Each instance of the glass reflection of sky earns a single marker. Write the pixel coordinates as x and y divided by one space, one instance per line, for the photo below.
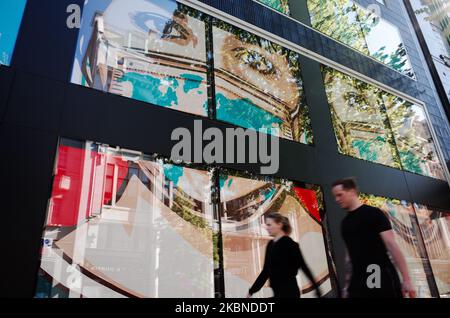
361 29
383 38
383 35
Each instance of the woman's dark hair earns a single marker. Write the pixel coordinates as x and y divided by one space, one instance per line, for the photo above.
278 218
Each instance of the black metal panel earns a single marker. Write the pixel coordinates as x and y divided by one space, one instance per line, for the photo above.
299 11
46 45
35 102
6 79
427 191
26 174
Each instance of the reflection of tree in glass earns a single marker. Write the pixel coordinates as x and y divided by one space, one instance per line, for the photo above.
191 12
397 59
337 18
378 202
411 143
351 24
359 99
279 5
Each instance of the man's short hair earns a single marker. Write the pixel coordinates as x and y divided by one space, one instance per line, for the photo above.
346 183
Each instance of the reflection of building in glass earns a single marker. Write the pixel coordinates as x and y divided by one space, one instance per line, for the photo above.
435 229
377 126
406 230
244 204
155 54
119 222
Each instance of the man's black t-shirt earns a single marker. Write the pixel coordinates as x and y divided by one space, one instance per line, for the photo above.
361 230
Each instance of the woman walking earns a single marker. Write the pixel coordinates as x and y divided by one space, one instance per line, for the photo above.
282 261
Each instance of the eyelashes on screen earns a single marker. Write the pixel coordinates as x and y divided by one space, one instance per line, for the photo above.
255 60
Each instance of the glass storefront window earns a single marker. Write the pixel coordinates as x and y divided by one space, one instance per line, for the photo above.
377 126
384 42
413 137
435 228
244 203
407 235
259 85
361 29
11 12
119 223
359 121
156 51
153 51
338 19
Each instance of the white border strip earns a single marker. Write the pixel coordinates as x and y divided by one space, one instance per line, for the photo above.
318 58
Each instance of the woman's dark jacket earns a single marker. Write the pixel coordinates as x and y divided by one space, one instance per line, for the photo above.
282 261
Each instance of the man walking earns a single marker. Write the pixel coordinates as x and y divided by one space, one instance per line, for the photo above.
369 237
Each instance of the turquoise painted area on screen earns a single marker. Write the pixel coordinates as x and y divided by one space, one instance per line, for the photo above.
173 173
269 194
223 180
11 12
365 150
410 162
242 112
191 82
148 88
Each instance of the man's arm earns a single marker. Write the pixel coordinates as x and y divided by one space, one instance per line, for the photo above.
400 262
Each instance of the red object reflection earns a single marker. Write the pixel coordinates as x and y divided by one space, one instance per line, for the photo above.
309 199
82 183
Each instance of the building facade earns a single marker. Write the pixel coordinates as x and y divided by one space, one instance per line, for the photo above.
93 205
